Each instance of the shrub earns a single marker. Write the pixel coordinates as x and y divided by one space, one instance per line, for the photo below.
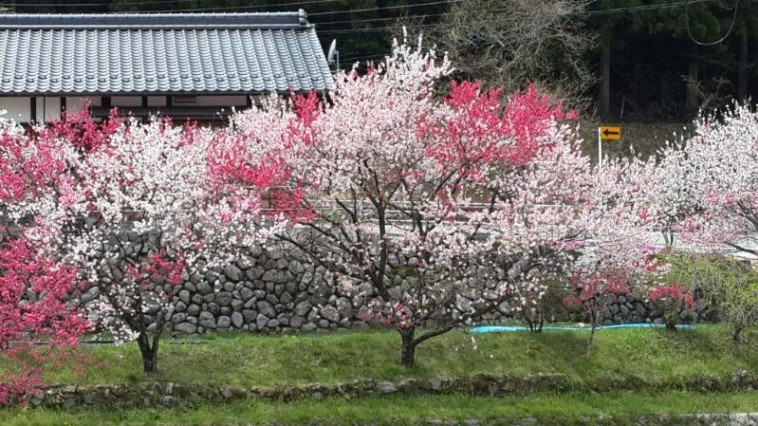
727 285
671 300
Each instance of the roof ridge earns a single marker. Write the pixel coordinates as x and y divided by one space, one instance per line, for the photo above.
149 13
154 20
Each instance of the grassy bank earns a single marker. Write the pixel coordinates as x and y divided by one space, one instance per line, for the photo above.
604 408
645 355
633 376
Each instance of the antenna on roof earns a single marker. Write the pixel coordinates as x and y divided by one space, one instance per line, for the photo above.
333 57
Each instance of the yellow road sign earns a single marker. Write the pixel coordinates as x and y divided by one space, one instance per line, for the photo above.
609 133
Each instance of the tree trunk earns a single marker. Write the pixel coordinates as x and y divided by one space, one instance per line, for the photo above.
593 319
692 101
149 353
736 339
742 69
670 325
604 91
534 323
408 356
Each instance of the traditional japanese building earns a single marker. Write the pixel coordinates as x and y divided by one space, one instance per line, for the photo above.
180 65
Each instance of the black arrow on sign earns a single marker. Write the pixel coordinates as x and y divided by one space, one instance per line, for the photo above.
608 132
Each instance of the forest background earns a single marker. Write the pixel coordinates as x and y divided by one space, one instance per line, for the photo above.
620 60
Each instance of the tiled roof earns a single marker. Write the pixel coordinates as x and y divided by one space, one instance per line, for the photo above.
160 53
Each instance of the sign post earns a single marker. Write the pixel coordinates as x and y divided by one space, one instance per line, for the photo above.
609 133
599 148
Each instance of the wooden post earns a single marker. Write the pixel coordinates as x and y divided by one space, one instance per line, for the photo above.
146 117
33 110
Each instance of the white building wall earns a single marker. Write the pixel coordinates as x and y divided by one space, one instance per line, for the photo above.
48 109
126 101
77 103
18 109
222 101
156 101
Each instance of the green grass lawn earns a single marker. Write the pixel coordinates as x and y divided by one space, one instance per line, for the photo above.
647 355
603 408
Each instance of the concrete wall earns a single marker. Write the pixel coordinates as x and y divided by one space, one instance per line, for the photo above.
156 101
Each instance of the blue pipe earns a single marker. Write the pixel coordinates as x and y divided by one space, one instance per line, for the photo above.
509 328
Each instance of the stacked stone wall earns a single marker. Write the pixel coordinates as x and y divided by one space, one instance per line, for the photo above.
278 290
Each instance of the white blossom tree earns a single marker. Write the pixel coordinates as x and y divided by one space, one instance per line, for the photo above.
136 208
712 180
708 187
446 208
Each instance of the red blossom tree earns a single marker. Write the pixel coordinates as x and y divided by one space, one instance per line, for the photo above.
594 292
671 300
36 322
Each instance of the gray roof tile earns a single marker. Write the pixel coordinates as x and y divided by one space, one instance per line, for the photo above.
160 53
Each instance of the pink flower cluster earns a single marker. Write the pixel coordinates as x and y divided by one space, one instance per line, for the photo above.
34 316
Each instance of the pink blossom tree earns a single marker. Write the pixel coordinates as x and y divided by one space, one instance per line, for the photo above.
594 286
593 293
446 208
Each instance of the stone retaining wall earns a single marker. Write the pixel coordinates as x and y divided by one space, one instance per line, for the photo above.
145 395
278 290
272 290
